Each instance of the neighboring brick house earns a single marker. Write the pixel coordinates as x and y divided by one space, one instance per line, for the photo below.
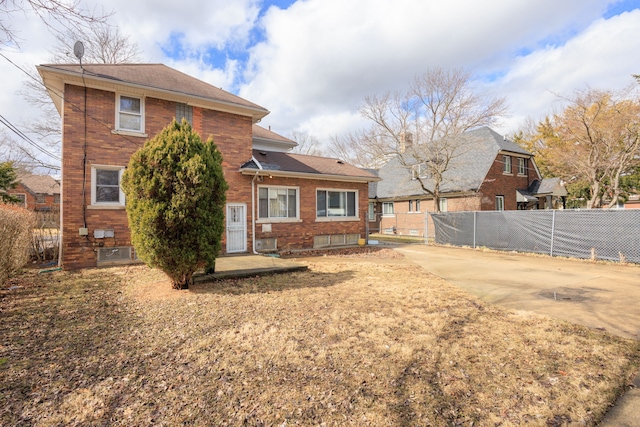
128 103
37 192
491 173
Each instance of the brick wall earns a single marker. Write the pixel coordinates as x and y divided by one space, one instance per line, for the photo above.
300 234
231 133
497 183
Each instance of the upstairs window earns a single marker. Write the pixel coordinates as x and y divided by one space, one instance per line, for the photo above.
130 114
372 211
444 205
522 166
499 203
507 164
421 171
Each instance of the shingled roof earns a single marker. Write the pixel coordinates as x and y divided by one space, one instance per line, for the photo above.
155 79
299 165
467 173
39 184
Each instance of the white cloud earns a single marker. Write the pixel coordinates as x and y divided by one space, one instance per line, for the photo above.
601 57
321 57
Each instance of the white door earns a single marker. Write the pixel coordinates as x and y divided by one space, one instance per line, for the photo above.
236 227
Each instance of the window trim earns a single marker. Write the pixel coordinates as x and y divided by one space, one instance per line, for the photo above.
119 128
270 219
501 199
443 201
522 166
393 209
121 202
371 211
507 162
327 217
41 198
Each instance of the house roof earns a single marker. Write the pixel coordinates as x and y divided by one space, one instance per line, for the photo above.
266 139
39 184
547 186
477 152
155 80
274 163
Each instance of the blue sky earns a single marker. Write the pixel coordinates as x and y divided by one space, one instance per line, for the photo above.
312 62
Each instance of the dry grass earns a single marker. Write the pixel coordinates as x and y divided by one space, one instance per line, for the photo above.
350 342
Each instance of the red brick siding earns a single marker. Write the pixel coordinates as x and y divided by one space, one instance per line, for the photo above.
299 235
231 133
497 183
30 199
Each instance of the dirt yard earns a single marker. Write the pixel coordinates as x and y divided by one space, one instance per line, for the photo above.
353 341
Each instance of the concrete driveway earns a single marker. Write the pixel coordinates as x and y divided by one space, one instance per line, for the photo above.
597 295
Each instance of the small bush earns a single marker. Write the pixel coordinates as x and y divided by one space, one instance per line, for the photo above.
16 225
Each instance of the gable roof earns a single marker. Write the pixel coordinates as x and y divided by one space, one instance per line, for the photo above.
271 141
467 173
274 163
156 80
39 184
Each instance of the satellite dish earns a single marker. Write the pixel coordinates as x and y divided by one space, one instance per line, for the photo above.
78 50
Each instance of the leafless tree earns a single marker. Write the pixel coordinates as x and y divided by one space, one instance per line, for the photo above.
307 144
104 44
423 126
57 15
360 148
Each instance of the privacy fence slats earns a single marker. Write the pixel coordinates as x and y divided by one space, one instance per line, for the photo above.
612 235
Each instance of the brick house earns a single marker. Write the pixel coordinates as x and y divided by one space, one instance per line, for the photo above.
276 200
37 192
491 173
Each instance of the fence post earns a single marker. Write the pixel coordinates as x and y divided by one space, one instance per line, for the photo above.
474 229
553 228
426 228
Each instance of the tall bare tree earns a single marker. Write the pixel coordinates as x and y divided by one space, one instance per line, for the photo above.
423 126
104 44
359 148
56 15
307 143
596 140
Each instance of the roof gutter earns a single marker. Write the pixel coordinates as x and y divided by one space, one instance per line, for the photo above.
306 175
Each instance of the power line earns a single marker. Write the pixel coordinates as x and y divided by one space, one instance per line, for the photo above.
24 137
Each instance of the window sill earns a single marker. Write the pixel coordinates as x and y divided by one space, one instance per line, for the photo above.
277 220
338 219
507 173
106 207
129 133
388 215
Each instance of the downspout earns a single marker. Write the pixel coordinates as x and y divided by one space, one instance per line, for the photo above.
253 213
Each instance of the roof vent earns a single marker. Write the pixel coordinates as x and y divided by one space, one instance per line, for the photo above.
263 153
340 162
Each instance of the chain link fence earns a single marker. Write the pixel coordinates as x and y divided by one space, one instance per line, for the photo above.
612 235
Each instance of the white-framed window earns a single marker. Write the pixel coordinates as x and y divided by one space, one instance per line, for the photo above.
278 202
371 211
105 185
499 203
410 205
130 113
387 208
417 205
507 164
444 204
522 166
336 203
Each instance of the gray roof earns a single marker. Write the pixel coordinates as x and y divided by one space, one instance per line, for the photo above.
43 184
477 152
552 186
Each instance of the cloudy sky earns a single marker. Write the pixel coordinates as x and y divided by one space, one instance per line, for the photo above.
311 62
